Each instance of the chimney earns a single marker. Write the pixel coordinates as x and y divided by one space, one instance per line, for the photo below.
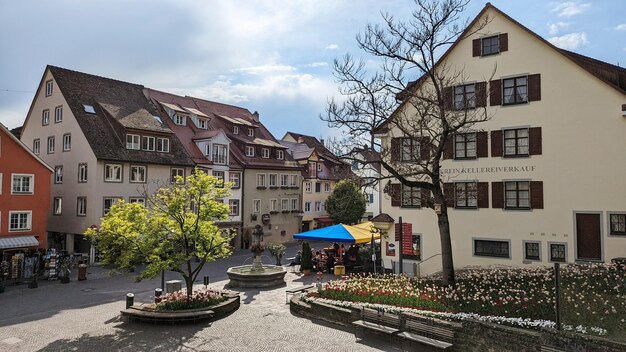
255 116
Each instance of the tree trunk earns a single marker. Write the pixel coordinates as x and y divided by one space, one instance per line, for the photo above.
446 247
189 283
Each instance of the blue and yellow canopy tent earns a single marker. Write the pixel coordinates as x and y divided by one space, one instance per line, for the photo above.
361 233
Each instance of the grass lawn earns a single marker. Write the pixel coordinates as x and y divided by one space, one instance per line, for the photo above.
593 296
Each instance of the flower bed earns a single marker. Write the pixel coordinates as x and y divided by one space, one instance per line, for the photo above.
200 299
593 296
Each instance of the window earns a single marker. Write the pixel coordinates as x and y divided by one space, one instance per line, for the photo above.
307 207
89 109
235 179
141 200
326 187
250 132
465 195
260 180
319 167
307 187
137 174
147 143
235 129
516 142
416 247
617 224
265 153
45 117
249 151
49 88
294 204
280 154
492 248
465 97
411 196
465 146
108 203
355 165
318 207
81 206
312 168
273 180
221 178
180 120
36 146
219 154
273 204
176 172
284 204
22 184
532 250
58 174
132 141
490 45
515 90
370 198
67 142
202 124
318 187
58 114
410 149
558 252
284 180
163 145
20 220
294 180
112 173
51 145
517 194
82 172
233 204
256 206
57 206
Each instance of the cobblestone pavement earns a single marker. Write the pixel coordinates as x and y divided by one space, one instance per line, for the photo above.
84 316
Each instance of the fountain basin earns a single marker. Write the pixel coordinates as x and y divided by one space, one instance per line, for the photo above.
244 276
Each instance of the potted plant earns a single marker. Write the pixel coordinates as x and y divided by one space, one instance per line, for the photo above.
307 263
277 250
65 271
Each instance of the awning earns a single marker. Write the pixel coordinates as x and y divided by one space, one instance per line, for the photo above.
18 242
340 233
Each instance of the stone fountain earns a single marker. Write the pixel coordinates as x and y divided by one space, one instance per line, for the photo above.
257 274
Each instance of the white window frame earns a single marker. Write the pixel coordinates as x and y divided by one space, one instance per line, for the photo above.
319 167
141 200
82 172
273 204
235 179
318 207
57 206
203 123
275 183
104 202
36 146
216 157
112 167
58 114
235 129
295 202
233 205
293 180
307 207
327 187
265 153
284 180
261 180
256 206
163 145
133 141
280 154
180 119
29 220
58 174
31 184
148 143
138 167
67 142
249 151
524 242
51 145
45 117
172 175
250 132
81 204
307 187
49 87
284 204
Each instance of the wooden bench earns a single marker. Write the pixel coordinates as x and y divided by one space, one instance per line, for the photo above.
167 317
295 290
425 332
377 321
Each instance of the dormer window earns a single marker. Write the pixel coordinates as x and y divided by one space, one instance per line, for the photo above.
132 141
249 151
265 153
280 155
319 166
203 124
250 132
235 129
219 154
163 145
147 143
180 119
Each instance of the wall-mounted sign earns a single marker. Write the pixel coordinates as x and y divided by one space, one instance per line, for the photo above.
265 219
487 170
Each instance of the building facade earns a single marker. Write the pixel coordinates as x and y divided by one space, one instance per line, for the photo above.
541 181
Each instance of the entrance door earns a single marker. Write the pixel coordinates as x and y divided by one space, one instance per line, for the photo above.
588 237
306 226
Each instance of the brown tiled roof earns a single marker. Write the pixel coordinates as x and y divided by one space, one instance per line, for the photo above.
370 156
119 106
314 143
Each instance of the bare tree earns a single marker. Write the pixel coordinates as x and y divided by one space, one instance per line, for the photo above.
418 134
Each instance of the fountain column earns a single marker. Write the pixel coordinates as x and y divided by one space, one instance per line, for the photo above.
257 248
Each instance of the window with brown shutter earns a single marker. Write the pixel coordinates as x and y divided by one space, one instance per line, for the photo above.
534 87
396 194
465 146
490 45
495 92
517 195
483 194
535 141
465 195
536 194
497 195
481 144
515 90
411 197
496 143
481 94
516 142
448 194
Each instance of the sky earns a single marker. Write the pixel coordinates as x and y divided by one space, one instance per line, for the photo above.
274 57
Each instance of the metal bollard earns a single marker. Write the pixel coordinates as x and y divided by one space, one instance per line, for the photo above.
206 281
157 295
130 299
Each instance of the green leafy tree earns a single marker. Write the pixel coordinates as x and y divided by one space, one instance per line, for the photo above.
346 204
277 250
177 232
307 262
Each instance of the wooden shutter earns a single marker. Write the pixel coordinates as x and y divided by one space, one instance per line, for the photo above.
395 149
534 135
536 194
448 194
497 195
534 87
425 196
447 98
495 92
424 148
476 47
496 143
481 144
482 189
504 42
481 94
407 239
448 147
396 194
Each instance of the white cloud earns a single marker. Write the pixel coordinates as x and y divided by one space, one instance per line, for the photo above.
621 27
264 69
554 28
316 64
570 8
570 41
331 47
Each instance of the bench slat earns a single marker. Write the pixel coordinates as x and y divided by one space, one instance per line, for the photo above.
425 340
373 326
298 289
